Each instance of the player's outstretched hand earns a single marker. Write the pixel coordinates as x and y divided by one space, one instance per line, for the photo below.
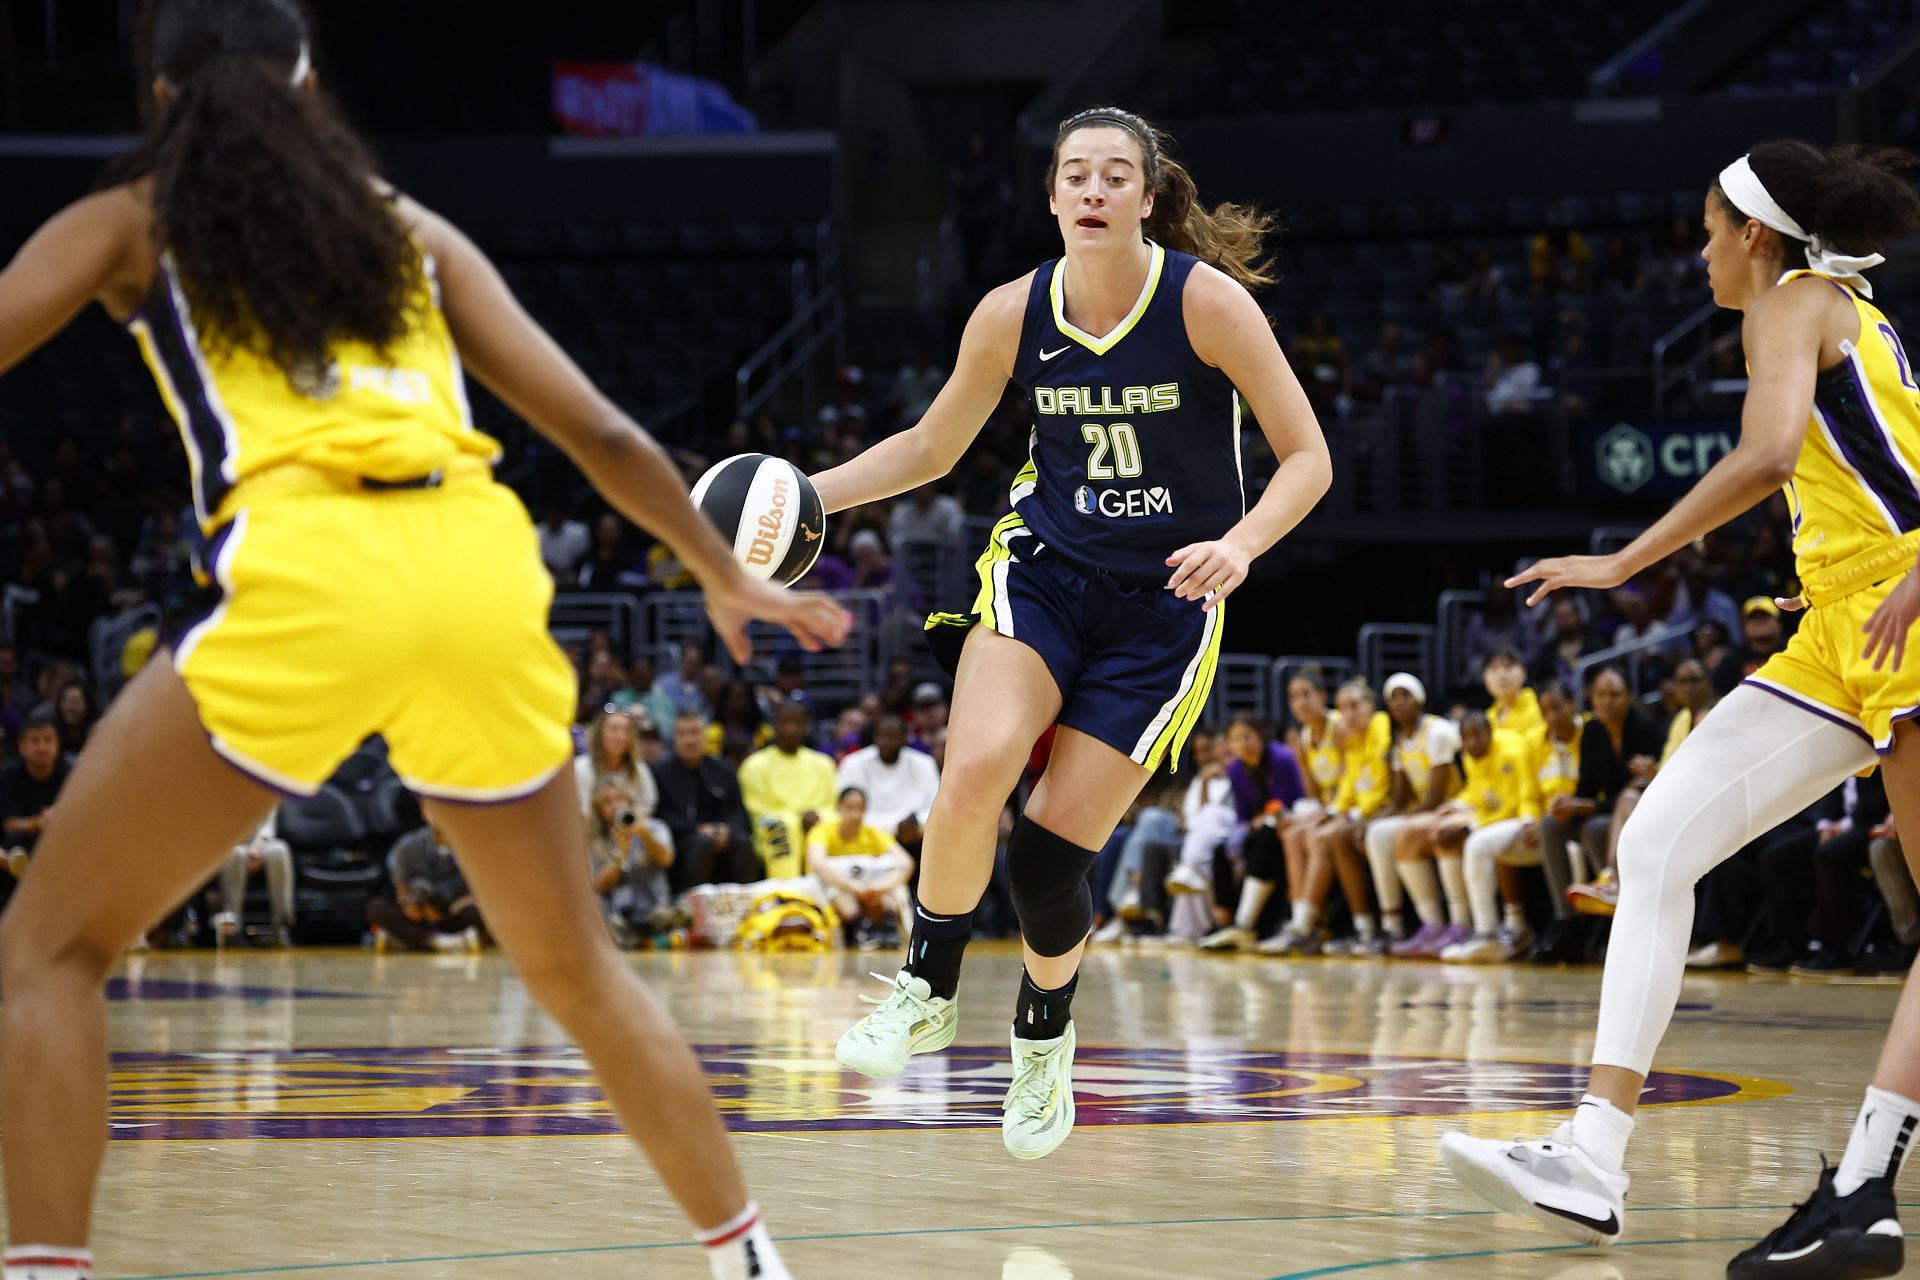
1887 630
816 621
1207 571
1562 572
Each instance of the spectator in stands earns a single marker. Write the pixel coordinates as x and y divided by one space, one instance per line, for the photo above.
1633 606
929 708
1515 708
1617 740
164 556
15 692
790 682
1619 268
683 686
700 803
1559 260
787 785
1512 377
915 386
1449 279
873 570
263 852
613 564
1504 815
896 782
1815 883
1264 779
641 692
1320 357
666 572
74 715
612 760
1711 645
28 788
1487 281
430 909
849 733
605 679
627 860
740 726
927 515
1387 367
1366 742
864 871
1763 636
1694 697
652 746
1421 761
1700 597
564 542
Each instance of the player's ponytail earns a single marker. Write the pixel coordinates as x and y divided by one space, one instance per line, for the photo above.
1849 196
264 198
1229 237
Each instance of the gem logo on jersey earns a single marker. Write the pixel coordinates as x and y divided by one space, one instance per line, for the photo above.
1123 504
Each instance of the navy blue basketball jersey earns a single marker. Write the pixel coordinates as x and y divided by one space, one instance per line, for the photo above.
1136 440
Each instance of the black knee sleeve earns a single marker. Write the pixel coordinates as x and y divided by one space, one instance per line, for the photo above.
1266 856
1050 891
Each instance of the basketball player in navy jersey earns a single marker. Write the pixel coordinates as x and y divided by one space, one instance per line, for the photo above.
1101 594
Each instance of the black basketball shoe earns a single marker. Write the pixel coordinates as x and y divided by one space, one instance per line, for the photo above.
1831 1237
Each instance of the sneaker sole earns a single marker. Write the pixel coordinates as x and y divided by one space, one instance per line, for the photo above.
1495 1190
1864 1257
880 1069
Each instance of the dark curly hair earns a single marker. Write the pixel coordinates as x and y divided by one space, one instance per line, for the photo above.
264 199
1851 196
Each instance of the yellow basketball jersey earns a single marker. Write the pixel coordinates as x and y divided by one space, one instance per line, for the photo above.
1322 757
1500 785
1365 778
1556 764
389 418
1522 718
1856 484
1421 755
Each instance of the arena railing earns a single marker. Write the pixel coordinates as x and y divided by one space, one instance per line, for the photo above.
576 615
1387 647
1632 656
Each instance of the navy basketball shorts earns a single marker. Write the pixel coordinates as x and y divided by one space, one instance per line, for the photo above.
1134 664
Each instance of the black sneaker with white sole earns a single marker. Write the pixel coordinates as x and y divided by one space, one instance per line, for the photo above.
1831 1237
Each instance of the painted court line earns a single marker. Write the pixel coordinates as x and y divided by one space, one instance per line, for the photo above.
1341 1269
1348 1268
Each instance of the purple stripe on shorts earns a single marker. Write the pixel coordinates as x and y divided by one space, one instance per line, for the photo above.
1813 707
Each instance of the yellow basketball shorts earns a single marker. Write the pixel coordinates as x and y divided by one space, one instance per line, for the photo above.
1821 669
417 614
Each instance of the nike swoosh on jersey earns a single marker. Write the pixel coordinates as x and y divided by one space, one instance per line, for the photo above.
1048 355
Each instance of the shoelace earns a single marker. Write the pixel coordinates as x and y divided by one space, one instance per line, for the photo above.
1029 1094
1780 1232
897 1007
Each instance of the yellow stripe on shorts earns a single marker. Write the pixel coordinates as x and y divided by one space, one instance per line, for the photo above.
997 553
1187 714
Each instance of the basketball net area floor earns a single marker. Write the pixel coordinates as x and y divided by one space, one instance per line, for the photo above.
344 1116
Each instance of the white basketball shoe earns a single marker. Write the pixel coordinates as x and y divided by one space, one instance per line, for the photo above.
910 1020
1038 1112
1548 1179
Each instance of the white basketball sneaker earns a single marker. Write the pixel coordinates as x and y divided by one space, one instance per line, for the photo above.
1547 1179
1230 938
1038 1112
910 1020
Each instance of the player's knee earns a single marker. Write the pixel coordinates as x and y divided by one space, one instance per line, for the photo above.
971 776
1641 857
567 977
1048 876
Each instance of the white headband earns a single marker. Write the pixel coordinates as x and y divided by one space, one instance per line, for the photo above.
302 66
1749 195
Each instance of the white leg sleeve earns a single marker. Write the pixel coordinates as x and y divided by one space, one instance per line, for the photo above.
1753 763
1483 850
1386 876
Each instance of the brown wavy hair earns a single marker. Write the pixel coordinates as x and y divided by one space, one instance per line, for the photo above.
1230 237
264 197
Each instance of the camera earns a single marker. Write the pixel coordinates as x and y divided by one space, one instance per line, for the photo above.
627 818
428 893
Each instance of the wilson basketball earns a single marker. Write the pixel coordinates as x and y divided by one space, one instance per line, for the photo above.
769 510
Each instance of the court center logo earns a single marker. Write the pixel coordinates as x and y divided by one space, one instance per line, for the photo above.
1624 456
550 1092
